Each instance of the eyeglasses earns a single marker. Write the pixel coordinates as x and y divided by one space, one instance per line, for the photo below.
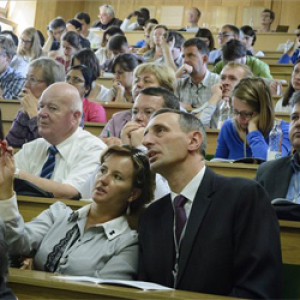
25 42
33 80
220 35
243 114
74 80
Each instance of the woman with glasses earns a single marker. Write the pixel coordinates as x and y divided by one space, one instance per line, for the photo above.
81 77
284 105
247 134
95 240
123 67
29 45
42 72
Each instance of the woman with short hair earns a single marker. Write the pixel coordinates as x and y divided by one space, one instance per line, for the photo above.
42 72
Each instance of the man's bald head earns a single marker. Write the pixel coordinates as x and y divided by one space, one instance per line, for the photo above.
59 112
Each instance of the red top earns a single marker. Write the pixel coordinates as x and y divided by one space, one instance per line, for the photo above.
93 112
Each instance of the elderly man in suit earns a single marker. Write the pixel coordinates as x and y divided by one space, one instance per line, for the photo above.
211 234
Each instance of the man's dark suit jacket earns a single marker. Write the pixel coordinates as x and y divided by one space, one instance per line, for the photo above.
231 244
275 177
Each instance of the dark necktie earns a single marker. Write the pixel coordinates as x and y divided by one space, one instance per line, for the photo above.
49 165
180 215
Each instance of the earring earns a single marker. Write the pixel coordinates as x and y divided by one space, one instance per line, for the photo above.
128 211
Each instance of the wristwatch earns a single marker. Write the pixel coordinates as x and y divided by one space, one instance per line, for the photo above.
17 173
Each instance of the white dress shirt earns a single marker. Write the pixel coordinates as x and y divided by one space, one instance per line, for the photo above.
77 159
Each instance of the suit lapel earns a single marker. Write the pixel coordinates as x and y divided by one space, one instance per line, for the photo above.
199 209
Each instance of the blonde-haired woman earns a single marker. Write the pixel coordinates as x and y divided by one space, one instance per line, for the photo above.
247 134
30 46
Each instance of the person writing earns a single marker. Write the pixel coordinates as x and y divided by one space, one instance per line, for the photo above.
95 240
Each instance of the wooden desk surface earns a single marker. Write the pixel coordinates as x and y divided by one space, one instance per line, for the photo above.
35 285
233 169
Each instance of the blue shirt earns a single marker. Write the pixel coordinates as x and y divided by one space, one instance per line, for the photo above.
11 83
285 59
230 146
140 44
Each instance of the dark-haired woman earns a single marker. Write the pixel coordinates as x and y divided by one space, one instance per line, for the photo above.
81 77
206 36
123 67
249 40
95 240
70 45
283 105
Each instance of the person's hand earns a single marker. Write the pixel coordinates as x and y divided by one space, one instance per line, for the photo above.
275 88
118 87
27 264
187 106
217 90
253 124
28 102
112 141
296 42
137 136
50 34
7 169
184 69
127 131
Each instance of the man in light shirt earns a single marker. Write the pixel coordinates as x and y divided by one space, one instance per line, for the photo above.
77 151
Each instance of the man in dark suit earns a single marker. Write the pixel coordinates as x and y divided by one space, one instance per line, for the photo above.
281 177
230 244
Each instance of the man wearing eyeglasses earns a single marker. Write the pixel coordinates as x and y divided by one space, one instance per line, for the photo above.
11 81
281 177
227 33
106 18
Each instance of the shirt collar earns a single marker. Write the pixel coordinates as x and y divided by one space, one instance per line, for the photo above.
204 82
112 228
64 147
190 190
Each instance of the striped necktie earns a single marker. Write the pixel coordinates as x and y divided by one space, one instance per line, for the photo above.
49 165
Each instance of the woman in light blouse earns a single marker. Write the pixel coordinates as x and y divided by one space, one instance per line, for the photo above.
95 240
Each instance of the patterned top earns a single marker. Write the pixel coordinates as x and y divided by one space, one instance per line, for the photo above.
11 83
196 94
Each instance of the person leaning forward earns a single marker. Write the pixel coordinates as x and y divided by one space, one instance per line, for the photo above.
230 244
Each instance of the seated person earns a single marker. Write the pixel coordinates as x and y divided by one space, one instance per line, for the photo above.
106 18
235 51
232 73
70 45
88 58
267 18
55 30
117 45
144 76
148 101
11 81
42 72
103 53
228 32
293 53
144 45
80 76
193 16
247 134
280 177
75 26
60 161
156 51
123 67
249 39
284 104
142 15
95 240
17 63
171 50
206 36
85 21
195 89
